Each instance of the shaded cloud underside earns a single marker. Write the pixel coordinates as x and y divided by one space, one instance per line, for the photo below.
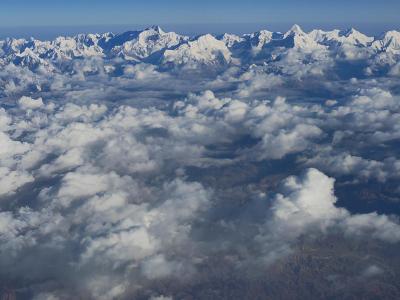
127 160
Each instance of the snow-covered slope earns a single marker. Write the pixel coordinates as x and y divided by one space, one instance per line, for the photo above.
389 42
297 38
230 39
141 44
204 50
337 38
171 50
28 58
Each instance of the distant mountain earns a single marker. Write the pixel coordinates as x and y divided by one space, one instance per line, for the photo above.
388 42
203 50
337 38
171 50
139 45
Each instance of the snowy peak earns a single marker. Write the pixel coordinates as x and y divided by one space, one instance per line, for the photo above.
261 38
204 50
298 39
341 38
295 30
156 46
388 42
78 46
349 32
155 28
321 36
13 45
230 39
29 59
355 37
139 45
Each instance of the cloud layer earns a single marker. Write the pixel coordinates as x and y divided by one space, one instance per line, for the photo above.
130 160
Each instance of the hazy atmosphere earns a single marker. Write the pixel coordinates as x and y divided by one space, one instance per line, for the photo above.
47 19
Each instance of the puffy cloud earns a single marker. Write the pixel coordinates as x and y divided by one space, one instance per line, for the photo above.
287 142
29 103
114 193
143 72
373 225
307 201
119 175
307 205
256 79
344 164
11 180
10 148
111 225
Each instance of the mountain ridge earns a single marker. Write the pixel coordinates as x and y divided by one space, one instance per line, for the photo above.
177 50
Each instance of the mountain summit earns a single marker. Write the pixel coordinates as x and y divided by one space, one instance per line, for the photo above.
156 46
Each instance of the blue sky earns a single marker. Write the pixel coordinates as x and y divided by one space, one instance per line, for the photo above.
81 13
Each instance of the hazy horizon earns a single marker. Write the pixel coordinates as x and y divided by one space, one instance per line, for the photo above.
51 31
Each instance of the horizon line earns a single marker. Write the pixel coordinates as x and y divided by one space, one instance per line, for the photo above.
191 29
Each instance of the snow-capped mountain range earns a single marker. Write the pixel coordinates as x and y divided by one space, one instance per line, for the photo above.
171 50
